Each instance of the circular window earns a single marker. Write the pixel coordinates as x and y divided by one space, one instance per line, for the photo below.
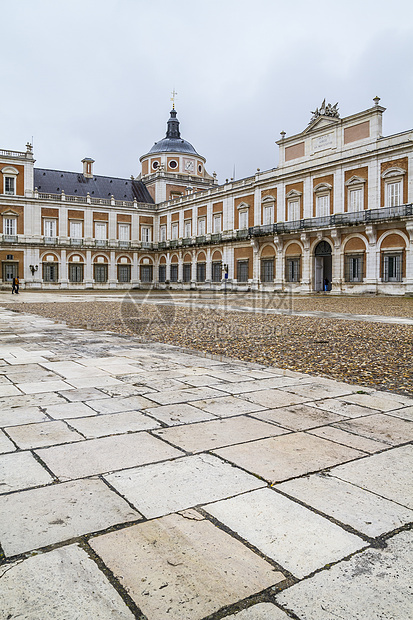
199 168
173 164
155 165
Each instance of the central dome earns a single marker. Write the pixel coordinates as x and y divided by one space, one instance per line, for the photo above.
173 143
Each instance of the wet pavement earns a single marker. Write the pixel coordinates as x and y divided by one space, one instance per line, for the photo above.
141 480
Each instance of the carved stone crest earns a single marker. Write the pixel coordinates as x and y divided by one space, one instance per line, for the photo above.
326 110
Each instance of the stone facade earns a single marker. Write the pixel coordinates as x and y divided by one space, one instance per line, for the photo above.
336 211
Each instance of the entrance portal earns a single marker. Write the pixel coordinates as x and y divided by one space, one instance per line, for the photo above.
322 266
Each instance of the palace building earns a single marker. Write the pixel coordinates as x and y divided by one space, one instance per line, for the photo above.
337 210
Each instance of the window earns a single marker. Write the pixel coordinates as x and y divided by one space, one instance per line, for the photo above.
268 215
322 207
146 273
163 232
267 270
201 226
76 230
293 210
242 271
162 273
101 273
123 273
146 234
187 228
200 272
393 194
100 231
216 271
175 229
392 267
217 223
10 226
174 273
50 272
75 273
187 272
124 232
10 271
354 268
50 228
243 219
356 199
9 185
292 269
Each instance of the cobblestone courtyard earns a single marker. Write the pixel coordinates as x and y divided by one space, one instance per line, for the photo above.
142 480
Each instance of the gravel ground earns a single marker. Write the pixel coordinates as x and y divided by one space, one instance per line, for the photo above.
368 354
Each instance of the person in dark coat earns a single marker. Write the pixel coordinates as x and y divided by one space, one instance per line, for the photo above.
15 286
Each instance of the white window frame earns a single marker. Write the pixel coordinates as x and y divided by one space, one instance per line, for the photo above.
50 227
293 205
9 177
393 186
162 232
243 219
146 234
201 226
124 232
396 258
101 231
175 231
217 223
187 228
322 193
10 226
355 194
75 226
268 215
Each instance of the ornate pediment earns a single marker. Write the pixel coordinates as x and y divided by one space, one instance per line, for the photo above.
326 109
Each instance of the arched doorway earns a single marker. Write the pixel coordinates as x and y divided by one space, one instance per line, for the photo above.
322 265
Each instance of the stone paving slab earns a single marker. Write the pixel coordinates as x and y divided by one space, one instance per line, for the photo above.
21 415
374 401
64 584
116 405
271 399
5 444
226 406
342 407
113 424
299 540
372 585
348 439
43 434
41 517
381 427
406 413
162 488
298 417
36 387
183 569
209 435
279 458
172 397
364 511
98 456
181 413
383 474
66 410
20 470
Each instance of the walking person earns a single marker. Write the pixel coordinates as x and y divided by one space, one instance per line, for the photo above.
15 286
326 283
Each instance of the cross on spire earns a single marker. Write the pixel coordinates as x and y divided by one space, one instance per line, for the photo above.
173 93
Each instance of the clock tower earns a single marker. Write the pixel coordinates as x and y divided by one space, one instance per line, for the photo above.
172 168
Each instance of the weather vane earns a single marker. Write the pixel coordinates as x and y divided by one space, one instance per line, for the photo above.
174 94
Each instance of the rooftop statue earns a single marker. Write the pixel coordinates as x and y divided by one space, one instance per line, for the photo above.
325 110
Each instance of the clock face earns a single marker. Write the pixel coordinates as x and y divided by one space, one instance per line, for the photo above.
189 165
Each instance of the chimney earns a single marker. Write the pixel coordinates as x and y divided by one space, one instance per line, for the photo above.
88 167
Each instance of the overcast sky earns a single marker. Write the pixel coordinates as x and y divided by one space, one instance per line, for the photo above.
93 78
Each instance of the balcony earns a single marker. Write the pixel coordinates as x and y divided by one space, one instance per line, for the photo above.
162 245
101 243
216 238
201 239
146 245
10 238
125 245
243 233
187 241
50 240
76 242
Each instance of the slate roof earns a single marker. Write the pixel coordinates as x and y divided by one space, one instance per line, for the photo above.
173 145
75 184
